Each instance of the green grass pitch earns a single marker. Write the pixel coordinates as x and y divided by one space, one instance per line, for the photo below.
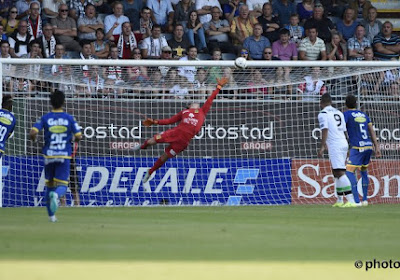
309 234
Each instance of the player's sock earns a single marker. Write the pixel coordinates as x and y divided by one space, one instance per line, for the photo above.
365 183
145 145
353 181
61 190
344 186
156 165
49 212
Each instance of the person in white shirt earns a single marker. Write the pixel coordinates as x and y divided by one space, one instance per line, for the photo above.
113 23
333 127
203 8
151 46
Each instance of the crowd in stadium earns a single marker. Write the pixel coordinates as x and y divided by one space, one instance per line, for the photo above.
189 30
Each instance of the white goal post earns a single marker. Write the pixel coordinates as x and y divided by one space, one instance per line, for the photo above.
258 145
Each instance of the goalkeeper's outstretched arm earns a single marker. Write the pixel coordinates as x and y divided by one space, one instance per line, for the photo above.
149 122
207 105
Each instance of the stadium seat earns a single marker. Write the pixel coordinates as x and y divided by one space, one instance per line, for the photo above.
204 56
229 56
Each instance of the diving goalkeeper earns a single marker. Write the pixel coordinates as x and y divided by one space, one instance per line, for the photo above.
178 138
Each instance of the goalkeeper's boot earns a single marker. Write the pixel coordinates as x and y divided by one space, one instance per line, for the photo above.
146 176
338 204
349 205
137 147
364 203
53 201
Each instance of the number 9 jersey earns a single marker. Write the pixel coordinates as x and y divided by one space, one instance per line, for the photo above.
7 125
59 127
332 119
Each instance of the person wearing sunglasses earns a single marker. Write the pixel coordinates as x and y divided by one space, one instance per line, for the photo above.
23 8
11 22
65 29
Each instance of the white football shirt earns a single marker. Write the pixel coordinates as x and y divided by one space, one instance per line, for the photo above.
332 119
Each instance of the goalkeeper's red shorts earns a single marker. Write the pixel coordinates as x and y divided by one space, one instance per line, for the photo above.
176 142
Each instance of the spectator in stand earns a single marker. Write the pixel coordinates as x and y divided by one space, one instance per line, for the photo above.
203 8
337 48
195 32
357 44
323 24
90 74
58 70
10 23
137 73
23 8
305 10
361 8
132 9
215 72
217 31
242 26
283 48
231 9
65 29
126 42
296 31
182 11
255 6
334 8
312 47
163 14
8 69
50 9
270 73
230 90
77 8
370 82
372 25
347 26
145 25
283 10
47 41
166 54
244 53
102 7
151 46
313 86
113 73
189 71
256 43
269 23
386 44
201 87
89 23
34 21
100 48
113 23
178 42
20 40
257 85
3 37
4 8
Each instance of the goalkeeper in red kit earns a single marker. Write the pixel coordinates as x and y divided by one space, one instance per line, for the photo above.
191 120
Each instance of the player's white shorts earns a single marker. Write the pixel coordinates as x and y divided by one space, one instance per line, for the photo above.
338 155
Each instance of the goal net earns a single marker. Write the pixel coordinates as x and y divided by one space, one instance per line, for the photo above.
258 145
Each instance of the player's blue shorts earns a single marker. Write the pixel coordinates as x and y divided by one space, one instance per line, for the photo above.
359 157
57 169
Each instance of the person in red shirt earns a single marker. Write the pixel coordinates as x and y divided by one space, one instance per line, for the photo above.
178 138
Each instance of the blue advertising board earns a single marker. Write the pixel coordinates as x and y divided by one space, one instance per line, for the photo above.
117 181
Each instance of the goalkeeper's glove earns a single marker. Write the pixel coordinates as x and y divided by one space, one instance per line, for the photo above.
149 122
223 81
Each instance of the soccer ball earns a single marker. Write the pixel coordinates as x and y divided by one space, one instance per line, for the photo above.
241 62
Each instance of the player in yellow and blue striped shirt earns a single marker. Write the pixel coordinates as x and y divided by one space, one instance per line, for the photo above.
59 130
363 141
7 122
